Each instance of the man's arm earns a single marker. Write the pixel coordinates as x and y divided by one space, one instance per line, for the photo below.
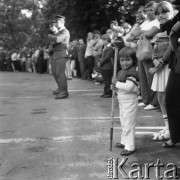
174 36
58 38
151 33
62 37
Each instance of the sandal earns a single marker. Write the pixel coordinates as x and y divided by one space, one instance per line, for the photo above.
162 135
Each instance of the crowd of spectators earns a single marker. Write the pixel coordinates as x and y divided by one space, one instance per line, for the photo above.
92 59
33 60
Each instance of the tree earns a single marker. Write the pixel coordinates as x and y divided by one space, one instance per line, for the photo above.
16 29
83 16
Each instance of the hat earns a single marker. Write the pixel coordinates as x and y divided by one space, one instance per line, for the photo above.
57 17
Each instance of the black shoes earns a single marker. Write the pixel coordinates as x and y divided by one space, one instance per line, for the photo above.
168 144
57 91
62 95
125 152
106 95
102 95
119 145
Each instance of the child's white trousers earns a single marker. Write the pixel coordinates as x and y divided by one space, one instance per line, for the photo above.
128 112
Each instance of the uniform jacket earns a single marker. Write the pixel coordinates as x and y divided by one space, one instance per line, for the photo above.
60 43
106 59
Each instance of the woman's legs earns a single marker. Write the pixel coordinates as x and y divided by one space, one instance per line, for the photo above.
163 134
161 100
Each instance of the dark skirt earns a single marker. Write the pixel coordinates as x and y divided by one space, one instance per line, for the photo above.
173 105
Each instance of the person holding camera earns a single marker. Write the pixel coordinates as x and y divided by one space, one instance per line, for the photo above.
60 40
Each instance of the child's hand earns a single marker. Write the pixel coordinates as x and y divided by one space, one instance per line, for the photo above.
156 62
114 80
113 88
153 70
160 65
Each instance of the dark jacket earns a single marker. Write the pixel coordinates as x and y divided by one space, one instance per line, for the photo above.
174 36
75 53
81 52
106 59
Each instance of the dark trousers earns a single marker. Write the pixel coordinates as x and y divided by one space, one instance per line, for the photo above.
15 63
53 67
1 66
96 60
107 76
9 65
148 96
24 66
173 105
58 71
77 68
89 66
83 69
39 66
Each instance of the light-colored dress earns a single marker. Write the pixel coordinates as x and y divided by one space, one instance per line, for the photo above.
161 77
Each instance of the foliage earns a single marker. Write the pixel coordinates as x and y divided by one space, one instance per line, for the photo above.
16 29
87 15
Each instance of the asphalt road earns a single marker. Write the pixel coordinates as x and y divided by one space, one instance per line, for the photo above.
46 139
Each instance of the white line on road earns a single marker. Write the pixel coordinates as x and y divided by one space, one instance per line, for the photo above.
144 133
89 95
142 128
38 97
89 118
98 118
93 138
22 97
11 84
84 90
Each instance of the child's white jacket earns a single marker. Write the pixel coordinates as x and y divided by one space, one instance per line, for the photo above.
128 89
127 83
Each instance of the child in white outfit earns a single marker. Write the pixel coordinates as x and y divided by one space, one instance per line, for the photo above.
126 84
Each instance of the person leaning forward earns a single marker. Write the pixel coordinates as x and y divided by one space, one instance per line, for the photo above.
60 41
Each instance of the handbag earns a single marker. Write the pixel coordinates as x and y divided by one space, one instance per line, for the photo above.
144 49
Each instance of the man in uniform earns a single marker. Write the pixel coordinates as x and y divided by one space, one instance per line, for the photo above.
60 40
